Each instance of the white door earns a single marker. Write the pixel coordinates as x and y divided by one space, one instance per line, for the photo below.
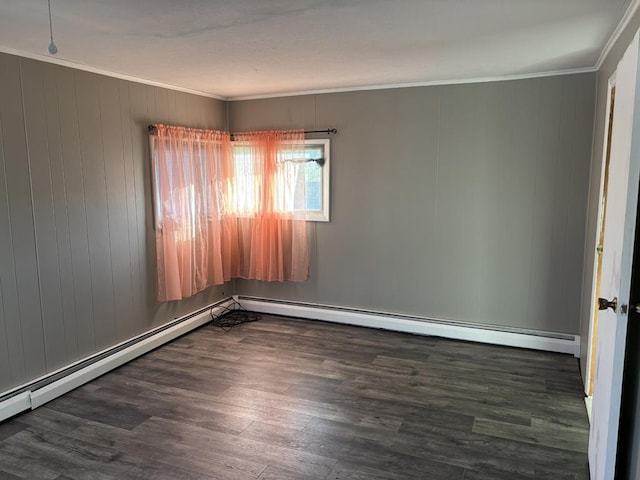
624 174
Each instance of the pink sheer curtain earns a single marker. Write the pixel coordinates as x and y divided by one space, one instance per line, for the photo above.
194 245
268 180
220 214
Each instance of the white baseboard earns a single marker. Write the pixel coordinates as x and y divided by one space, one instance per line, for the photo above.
513 337
26 399
31 399
588 404
15 405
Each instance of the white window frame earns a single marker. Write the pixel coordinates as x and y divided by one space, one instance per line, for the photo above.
322 215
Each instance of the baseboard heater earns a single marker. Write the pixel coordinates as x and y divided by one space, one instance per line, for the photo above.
46 388
492 334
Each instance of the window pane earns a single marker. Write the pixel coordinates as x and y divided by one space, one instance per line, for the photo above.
313 187
309 179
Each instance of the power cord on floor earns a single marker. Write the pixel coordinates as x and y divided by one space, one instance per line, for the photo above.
232 315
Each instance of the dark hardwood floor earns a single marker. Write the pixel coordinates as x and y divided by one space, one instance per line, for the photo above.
291 399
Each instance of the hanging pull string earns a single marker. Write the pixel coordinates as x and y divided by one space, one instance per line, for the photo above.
52 46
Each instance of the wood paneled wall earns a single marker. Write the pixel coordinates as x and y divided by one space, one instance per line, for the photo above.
77 254
459 202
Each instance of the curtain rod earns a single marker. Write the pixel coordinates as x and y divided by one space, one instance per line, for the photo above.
328 131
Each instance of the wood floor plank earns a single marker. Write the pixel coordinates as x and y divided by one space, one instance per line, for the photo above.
185 455
10 476
447 446
442 399
24 464
573 469
490 473
147 392
289 399
171 408
119 414
557 408
240 447
273 473
78 458
541 432
347 471
248 397
8 429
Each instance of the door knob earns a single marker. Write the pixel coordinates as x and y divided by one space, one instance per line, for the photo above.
603 304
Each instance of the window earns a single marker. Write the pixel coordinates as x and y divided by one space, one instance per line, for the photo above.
188 169
234 210
309 200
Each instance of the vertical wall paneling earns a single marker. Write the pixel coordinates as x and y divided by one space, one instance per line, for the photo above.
459 202
21 218
515 234
559 265
182 113
459 121
113 157
11 331
61 215
140 144
194 110
413 118
5 359
131 211
100 261
44 213
150 112
580 182
75 197
77 247
547 204
162 102
490 180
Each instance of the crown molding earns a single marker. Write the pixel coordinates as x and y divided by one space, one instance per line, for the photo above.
100 71
624 22
358 88
432 83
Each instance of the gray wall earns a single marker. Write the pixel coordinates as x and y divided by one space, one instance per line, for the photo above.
463 202
77 255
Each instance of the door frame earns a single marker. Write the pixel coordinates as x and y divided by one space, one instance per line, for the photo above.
590 370
603 434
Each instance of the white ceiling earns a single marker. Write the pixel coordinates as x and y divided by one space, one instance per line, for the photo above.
245 48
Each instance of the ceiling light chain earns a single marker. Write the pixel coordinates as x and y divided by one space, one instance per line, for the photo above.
52 46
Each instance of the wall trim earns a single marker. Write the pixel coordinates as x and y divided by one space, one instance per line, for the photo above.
491 334
356 88
588 405
101 71
431 83
55 384
624 22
